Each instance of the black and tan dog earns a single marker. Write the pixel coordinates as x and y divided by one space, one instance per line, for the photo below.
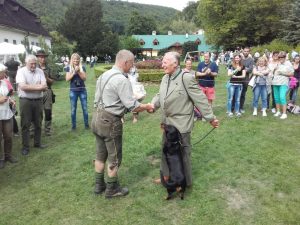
172 149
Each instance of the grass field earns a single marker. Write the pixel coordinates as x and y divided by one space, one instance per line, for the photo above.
245 172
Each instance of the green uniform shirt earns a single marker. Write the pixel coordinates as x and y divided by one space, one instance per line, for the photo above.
117 95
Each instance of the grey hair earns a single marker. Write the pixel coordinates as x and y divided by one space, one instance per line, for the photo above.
30 58
173 55
123 56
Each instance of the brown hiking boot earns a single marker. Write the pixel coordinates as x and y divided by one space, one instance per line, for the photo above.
114 190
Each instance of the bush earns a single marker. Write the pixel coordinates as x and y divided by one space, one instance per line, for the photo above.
150 75
275 45
100 70
149 64
153 75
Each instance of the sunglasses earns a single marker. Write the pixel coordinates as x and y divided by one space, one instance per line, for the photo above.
281 57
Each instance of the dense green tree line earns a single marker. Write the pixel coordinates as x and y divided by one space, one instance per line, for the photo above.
232 23
115 13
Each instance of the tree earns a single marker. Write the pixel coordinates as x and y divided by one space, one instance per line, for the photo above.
128 42
249 22
189 47
60 45
83 24
139 24
181 26
189 13
291 25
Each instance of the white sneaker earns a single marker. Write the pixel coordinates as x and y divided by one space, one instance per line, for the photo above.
230 114
273 110
242 111
238 114
254 112
264 113
283 116
277 114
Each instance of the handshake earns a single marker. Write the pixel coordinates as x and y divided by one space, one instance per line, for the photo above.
149 107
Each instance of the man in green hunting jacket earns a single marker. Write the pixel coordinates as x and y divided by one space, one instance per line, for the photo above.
178 94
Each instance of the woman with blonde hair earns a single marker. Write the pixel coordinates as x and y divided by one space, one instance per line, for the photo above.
76 74
280 83
236 72
260 72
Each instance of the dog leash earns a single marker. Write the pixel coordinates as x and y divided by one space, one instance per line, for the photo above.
204 136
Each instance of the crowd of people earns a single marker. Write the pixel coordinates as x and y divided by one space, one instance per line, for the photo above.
273 77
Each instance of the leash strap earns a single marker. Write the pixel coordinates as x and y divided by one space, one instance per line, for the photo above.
204 136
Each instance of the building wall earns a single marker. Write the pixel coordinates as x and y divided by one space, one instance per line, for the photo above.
15 36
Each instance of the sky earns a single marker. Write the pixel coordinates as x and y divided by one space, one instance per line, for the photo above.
177 4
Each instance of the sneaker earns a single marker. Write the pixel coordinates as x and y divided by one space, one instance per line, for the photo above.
230 114
277 114
264 113
255 112
273 110
283 116
242 111
238 114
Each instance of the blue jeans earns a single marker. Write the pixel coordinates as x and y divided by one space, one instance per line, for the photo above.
234 90
83 99
293 95
260 91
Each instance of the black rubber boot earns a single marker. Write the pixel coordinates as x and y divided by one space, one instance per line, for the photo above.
113 189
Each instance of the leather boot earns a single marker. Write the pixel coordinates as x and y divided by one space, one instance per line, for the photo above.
2 164
100 185
48 128
113 189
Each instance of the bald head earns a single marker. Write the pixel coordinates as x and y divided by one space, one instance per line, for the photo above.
124 60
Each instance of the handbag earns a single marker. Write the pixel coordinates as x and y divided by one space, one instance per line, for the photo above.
252 82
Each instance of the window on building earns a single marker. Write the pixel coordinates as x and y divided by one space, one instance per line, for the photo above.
142 42
14 42
198 41
6 40
32 43
37 44
155 42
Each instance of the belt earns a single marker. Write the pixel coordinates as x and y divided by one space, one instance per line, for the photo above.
32 99
108 113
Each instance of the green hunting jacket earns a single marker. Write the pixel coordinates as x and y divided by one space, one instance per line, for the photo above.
177 103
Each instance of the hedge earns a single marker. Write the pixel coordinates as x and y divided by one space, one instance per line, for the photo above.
153 75
101 69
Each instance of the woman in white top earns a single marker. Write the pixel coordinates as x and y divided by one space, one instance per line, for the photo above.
6 125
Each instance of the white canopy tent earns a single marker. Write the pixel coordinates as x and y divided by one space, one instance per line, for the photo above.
8 50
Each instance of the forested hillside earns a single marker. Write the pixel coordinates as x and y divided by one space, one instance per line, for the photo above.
116 13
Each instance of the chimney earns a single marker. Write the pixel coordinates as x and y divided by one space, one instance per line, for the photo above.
169 32
154 32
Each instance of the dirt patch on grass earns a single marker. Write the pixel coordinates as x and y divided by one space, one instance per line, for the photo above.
236 200
153 160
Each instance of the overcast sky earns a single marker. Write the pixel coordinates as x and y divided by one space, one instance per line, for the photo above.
177 4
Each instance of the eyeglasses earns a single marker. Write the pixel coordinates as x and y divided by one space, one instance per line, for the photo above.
281 57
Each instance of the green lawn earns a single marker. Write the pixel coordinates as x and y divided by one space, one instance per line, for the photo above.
245 172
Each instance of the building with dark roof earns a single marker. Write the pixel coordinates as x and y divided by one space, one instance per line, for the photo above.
17 22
